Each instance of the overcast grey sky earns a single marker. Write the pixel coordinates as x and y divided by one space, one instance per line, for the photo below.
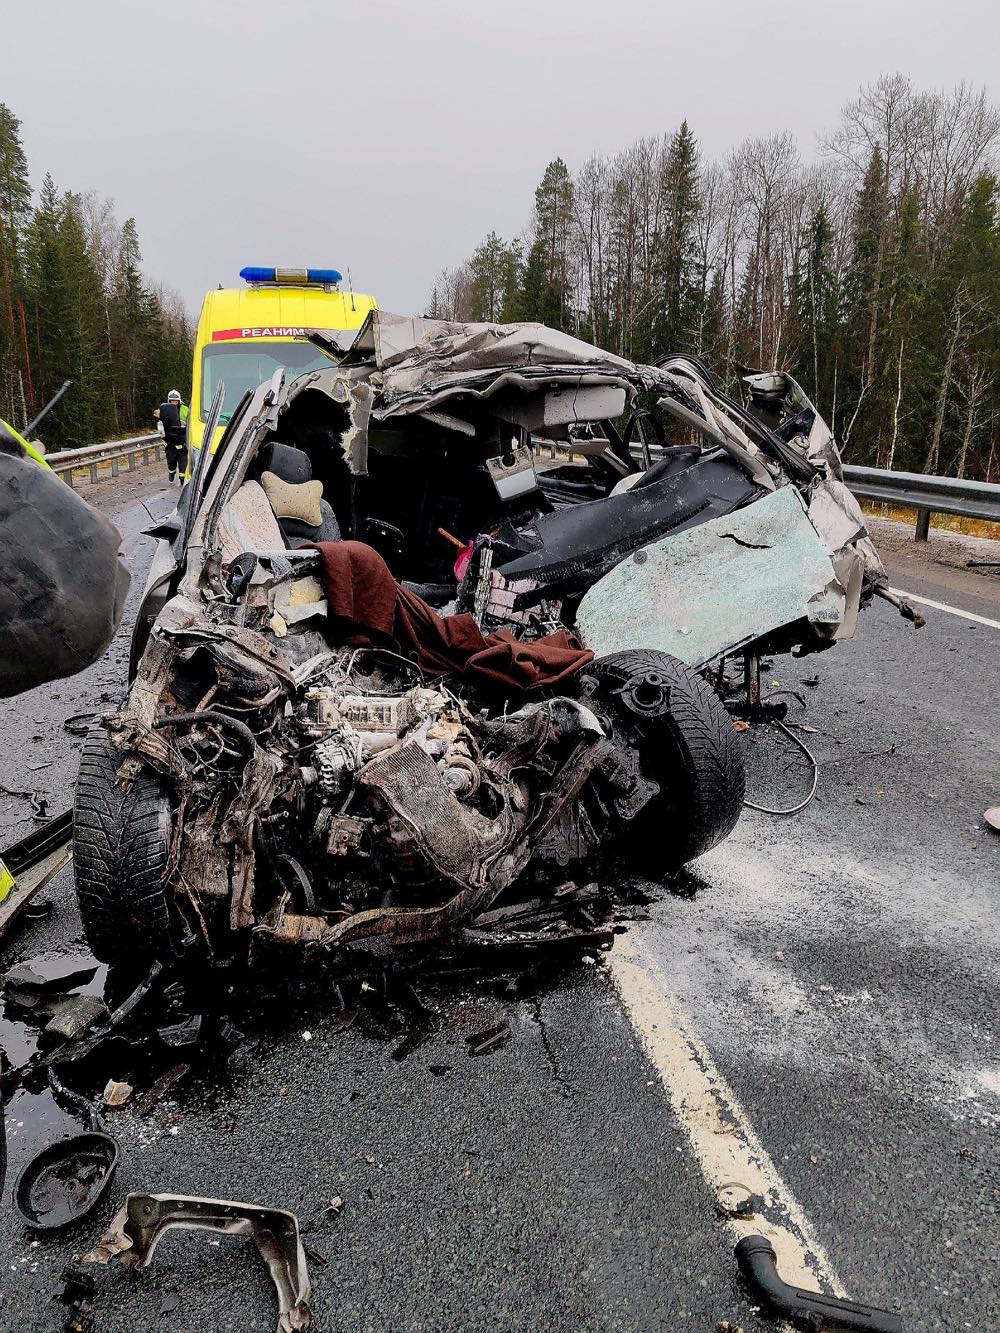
389 137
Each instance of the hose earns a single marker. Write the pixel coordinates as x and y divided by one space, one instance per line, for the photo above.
759 1265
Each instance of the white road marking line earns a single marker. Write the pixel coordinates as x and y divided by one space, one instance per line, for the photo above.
943 606
724 1143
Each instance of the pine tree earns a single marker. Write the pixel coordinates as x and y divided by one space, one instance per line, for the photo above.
68 303
962 308
17 396
676 250
815 299
546 286
495 267
863 285
133 320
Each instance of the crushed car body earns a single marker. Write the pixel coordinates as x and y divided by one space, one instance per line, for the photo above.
395 669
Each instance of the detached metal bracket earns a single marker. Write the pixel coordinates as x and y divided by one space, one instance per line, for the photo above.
759 1265
137 1228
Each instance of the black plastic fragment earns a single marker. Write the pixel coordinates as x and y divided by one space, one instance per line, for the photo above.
65 1181
758 1263
182 1034
75 1289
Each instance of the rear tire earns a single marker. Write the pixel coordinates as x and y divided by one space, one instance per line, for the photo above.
120 845
692 751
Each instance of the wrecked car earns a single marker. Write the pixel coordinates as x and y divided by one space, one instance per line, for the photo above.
397 672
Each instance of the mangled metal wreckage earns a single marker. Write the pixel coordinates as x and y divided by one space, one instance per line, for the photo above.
394 673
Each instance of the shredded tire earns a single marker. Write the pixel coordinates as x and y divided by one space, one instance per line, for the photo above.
120 844
692 751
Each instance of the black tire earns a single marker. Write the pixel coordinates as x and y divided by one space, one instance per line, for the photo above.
120 845
692 751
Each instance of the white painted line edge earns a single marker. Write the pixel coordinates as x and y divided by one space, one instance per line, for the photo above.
943 606
722 1139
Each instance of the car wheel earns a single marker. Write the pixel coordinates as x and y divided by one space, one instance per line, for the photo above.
120 845
688 745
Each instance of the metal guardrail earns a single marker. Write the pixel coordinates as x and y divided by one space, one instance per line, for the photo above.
927 495
67 461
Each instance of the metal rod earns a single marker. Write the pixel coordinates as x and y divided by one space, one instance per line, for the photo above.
26 432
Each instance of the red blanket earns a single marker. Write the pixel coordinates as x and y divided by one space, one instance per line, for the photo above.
375 610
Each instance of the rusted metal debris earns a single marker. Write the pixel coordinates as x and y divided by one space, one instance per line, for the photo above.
144 1219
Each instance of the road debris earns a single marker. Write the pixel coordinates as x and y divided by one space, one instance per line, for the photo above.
80 724
483 1043
992 817
183 1034
67 1179
735 1200
35 990
758 1264
48 972
39 801
74 1015
29 864
166 1082
137 1228
75 1290
117 1094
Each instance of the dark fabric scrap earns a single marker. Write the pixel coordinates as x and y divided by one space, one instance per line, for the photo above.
374 610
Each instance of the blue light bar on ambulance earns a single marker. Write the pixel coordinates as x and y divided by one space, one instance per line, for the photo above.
324 277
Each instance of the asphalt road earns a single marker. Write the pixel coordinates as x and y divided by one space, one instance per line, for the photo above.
837 971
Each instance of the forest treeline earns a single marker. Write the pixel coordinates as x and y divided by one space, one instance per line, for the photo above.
75 306
871 273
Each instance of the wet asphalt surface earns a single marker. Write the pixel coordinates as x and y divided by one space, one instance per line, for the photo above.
841 966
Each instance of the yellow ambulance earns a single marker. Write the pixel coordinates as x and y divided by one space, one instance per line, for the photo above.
246 333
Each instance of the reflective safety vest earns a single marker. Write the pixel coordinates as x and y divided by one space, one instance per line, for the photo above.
11 434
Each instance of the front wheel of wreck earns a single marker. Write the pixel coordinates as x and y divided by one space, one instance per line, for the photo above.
120 847
688 746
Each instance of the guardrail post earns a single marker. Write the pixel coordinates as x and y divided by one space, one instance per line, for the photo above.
93 472
131 462
923 525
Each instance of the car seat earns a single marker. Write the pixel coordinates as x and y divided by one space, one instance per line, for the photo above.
293 466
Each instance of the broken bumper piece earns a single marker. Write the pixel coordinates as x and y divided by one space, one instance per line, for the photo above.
137 1228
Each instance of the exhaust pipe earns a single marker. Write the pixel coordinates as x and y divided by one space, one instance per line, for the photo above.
759 1265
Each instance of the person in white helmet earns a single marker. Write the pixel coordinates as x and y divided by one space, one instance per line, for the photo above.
172 417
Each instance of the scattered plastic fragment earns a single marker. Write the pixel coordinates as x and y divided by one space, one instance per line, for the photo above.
117 1094
74 1015
79 724
75 1289
183 1034
66 1180
734 1200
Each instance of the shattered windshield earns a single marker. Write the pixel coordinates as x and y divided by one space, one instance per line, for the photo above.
245 365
